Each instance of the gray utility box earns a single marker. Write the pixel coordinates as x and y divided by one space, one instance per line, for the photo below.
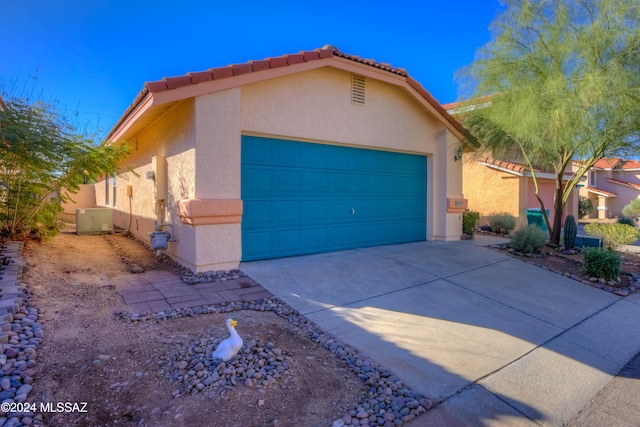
94 221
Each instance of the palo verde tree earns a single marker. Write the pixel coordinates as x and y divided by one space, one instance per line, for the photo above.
41 153
558 82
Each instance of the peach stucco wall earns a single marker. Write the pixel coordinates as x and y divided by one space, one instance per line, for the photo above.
313 106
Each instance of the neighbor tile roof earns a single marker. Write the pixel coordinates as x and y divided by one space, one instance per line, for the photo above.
630 164
606 163
516 167
601 192
613 163
621 182
233 70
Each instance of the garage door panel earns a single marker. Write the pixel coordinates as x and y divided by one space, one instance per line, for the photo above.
315 238
285 153
257 245
258 212
258 181
304 198
286 212
362 184
287 241
384 184
314 211
315 156
339 237
288 182
316 183
341 183
257 152
340 210
362 236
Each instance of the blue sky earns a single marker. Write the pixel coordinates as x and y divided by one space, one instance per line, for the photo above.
92 57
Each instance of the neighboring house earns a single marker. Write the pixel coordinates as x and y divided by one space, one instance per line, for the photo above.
610 185
311 152
498 186
494 186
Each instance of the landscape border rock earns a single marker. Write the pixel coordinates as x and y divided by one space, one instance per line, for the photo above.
595 282
18 357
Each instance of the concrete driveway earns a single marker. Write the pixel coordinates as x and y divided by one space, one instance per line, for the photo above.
493 340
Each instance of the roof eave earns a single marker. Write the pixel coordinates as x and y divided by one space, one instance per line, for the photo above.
192 85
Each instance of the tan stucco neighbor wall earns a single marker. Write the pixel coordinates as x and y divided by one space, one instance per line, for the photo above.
201 141
490 191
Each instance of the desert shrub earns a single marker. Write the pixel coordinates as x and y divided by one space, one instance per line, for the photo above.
599 262
585 207
614 235
528 239
627 220
502 223
470 221
632 209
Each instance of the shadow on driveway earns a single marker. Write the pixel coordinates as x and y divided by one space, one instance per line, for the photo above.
494 340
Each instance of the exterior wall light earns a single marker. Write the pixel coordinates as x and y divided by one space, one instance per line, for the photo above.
458 154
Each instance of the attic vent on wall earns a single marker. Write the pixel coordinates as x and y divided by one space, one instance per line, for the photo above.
357 89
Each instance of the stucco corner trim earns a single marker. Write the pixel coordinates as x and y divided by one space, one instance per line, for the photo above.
210 211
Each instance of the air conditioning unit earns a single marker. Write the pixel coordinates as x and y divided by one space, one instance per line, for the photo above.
94 220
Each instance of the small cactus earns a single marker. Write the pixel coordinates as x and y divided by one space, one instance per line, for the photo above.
570 232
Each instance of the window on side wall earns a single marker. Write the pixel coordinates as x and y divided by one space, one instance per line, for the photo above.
592 179
114 189
107 189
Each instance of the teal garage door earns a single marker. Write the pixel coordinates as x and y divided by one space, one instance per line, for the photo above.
302 198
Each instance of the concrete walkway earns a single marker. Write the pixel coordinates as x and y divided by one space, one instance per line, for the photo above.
155 291
492 340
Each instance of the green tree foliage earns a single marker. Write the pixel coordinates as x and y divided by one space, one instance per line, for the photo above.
585 206
470 221
632 210
614 235
560 80
41 153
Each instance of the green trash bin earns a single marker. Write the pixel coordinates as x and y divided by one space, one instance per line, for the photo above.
534 216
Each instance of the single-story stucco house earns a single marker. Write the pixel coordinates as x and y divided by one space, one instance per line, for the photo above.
304 153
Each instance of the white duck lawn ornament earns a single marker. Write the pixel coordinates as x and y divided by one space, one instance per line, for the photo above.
231 346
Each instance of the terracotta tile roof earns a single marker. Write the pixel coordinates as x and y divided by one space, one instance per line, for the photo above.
626 183
630 164
467 104
229 71
233 70
601 192
516 167
613 163
606 163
